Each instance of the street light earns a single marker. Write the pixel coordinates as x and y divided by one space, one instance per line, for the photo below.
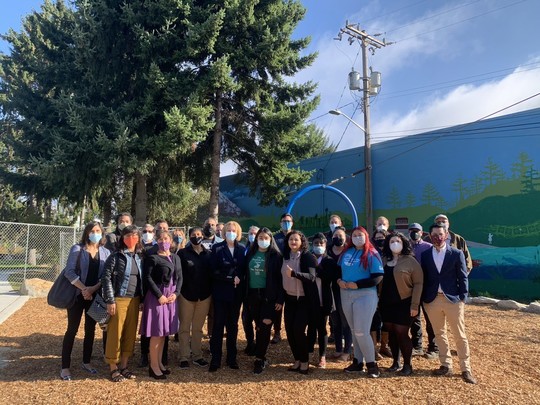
367 162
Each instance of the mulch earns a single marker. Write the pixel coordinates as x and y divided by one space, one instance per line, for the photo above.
505 350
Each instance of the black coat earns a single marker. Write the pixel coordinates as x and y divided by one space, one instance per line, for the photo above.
327 271
197 274
158 272
225 267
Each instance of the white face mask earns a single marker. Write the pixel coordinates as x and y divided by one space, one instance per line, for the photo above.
333 226
359 240
147 237
382 228
396 247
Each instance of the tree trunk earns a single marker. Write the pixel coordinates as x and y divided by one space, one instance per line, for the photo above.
141 199
106 203
216 161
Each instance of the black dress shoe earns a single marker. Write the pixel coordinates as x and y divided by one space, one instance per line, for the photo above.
156 376
468 377
166 371
393 368
442 370
213 368
233 365
406 370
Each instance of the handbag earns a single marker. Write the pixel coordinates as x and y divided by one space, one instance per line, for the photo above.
63 294
98 310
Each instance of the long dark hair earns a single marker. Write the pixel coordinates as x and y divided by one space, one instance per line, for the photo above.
85 239
130 229
254 247
407 249
369 249
304 247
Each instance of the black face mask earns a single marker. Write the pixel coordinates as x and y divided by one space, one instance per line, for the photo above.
379 243
195 240
337 241
415 235
208 231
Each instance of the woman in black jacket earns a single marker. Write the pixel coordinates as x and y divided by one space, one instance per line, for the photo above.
265 293
227 263
195 298
122 291
301 296
163 279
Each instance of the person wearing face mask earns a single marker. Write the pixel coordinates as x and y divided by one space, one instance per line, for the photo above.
319 314
419 246
194 299
286 225
209 233
299 274
148 240
446 286
162 280
88 259
247 319
122 291
400 296
341 329
333 223
227 263
179 240
362 271
264 290
382 224
122 220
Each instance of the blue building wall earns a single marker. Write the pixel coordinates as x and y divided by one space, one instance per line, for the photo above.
485 176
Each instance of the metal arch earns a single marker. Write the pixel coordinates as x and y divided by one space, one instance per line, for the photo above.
306 190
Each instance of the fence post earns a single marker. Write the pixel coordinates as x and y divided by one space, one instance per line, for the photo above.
27 248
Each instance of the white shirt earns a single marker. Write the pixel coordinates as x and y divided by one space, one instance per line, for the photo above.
438 258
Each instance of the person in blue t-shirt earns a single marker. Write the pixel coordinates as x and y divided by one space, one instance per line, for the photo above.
361 272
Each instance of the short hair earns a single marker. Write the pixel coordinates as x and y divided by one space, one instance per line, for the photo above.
339 228
123 214
438 225
193 229
287 214
320 236
160 221
237 228
161 232
335 216
255 227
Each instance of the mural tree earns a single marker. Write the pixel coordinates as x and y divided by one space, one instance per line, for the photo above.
492 173
410 200
520 167
459 186
393 198
432 197
530 180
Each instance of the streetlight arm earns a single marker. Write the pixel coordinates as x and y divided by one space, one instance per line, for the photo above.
339 112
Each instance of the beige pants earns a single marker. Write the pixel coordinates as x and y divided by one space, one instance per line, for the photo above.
192 317
442 312
122 329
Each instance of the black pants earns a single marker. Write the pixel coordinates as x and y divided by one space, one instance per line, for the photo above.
416 332
74 320
247 323
226 314
277 321
297 313
259 309
317 331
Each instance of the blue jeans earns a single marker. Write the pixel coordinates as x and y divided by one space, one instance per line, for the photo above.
359 306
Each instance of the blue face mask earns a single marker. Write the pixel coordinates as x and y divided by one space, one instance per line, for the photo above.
286 225
251 238
318 250
230 236
95 237
178 239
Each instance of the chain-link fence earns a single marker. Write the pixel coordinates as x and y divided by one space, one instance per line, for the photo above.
33 251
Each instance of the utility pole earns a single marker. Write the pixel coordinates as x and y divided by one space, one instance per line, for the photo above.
370 43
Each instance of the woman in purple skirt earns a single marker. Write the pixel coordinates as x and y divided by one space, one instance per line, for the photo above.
163 279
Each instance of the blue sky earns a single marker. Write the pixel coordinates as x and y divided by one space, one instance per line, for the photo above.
452 61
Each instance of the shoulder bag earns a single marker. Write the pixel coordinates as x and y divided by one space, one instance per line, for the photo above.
98 310
63 294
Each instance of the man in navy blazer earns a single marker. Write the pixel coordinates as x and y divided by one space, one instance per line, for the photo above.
445 289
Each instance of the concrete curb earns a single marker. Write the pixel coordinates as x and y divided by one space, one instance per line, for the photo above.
10 302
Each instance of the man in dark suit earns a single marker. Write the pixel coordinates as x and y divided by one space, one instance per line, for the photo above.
445 289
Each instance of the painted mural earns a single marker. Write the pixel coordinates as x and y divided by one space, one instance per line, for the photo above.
485 176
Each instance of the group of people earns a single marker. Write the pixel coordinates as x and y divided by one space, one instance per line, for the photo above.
365 286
